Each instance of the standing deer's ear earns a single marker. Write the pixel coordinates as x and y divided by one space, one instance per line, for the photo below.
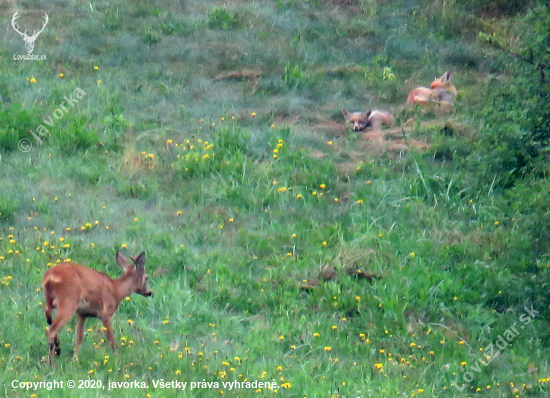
122 262
139 261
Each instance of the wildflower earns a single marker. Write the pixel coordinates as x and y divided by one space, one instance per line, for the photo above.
32 80
96 68
328 349
253 114
61 75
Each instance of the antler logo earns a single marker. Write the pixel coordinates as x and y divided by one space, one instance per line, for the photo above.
29 40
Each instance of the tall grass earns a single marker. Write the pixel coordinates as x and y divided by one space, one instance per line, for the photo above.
280 246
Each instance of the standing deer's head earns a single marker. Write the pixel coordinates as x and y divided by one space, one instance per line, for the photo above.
29 40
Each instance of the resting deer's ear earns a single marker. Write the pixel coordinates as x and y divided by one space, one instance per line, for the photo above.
346 113
446 77
367 113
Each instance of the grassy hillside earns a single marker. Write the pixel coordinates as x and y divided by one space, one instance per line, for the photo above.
281 247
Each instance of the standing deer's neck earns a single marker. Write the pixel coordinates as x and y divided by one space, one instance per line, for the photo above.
124 285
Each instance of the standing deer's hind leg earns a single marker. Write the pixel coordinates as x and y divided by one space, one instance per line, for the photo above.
48 310
65 311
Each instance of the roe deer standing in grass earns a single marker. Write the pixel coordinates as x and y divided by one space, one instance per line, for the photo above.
441 91
73 288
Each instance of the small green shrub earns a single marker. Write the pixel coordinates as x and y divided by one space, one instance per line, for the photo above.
8 208
225 156
298 76
75 136
15 124
220 18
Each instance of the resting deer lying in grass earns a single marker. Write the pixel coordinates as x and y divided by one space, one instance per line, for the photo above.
441 91
371 118
73 288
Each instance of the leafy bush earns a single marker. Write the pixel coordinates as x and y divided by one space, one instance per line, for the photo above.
516 135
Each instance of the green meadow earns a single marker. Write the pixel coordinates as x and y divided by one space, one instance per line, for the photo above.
288 255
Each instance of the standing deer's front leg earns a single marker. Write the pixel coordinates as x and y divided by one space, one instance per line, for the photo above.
109 331
79 333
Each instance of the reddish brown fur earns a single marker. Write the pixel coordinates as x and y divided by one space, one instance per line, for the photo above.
441 91
73 288
371 118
